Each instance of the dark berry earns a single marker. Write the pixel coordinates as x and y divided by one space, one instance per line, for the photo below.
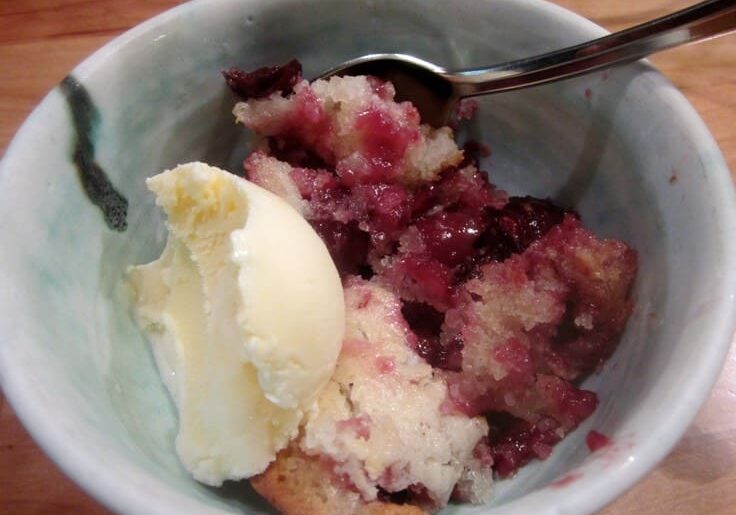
348 245
426 323
262 82
449 236
521 222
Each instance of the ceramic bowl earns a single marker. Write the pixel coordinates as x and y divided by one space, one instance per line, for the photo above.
624 147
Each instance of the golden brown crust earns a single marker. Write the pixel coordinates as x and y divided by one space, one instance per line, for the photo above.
296 484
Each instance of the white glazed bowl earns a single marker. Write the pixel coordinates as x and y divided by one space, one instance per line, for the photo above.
78 372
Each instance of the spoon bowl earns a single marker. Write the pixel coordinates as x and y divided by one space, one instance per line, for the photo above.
434 90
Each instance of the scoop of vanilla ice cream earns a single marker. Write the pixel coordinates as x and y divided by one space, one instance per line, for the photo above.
245 313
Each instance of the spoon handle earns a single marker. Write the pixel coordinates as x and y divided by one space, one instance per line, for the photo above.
701 21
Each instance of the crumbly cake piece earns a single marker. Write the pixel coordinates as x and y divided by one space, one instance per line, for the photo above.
297 484
274 175
381 426
531 326
382 418
555 309
353 125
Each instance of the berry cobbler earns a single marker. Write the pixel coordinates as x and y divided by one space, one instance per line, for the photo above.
472 315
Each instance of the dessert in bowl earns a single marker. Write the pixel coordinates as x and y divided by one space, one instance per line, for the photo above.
609 156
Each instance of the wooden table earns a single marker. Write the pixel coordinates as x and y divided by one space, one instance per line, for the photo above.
40 41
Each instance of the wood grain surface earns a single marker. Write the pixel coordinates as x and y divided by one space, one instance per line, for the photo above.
41 40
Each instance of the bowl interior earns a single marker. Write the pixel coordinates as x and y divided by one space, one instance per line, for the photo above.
622 147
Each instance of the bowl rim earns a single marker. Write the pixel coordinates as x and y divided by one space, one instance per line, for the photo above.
94 476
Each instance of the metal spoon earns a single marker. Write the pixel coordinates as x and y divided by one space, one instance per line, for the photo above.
435 90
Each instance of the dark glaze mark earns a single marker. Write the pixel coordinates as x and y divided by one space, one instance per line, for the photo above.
97 186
